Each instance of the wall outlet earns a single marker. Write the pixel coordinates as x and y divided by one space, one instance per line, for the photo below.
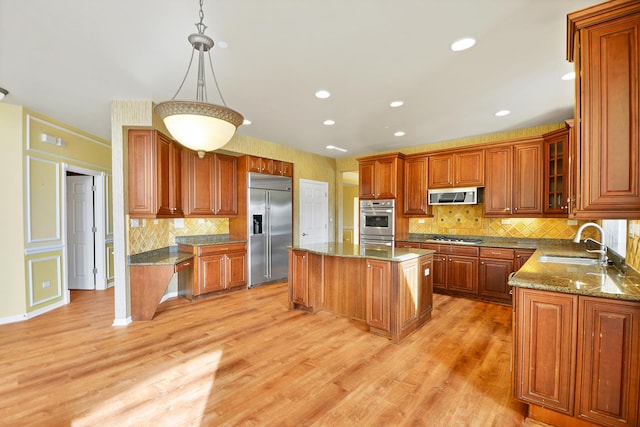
135 223
155 222
421 221
200 221
506 221
46 284
178 223
572 222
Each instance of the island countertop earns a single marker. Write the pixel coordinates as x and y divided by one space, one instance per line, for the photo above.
384 253
588 280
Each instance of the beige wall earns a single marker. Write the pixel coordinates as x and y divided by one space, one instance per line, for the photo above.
33 230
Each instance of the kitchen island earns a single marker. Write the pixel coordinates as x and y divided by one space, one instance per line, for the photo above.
576 348
388 289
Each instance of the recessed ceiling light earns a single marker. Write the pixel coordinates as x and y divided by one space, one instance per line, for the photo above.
223 44
395 104
502 113
569 76
3 93
333 147
329 122
246 122
399 133
462 44
322 94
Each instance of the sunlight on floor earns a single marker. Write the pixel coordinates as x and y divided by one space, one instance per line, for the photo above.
174 396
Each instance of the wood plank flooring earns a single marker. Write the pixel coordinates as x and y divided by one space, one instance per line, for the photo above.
245 359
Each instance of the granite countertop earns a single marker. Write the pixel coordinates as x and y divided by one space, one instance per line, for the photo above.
163 256
589 280
384 253
210 239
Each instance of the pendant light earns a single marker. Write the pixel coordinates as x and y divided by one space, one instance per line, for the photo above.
199 125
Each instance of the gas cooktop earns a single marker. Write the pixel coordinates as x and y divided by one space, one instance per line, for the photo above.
453 240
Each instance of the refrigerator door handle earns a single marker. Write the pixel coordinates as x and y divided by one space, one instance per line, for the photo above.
268 245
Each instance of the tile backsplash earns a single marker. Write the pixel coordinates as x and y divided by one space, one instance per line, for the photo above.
468 220
154 234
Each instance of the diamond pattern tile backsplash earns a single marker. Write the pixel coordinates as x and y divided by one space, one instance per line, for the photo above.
154 234
468 220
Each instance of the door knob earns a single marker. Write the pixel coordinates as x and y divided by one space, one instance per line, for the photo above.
304 234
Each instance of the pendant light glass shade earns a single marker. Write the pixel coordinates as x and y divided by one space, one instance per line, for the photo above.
197 124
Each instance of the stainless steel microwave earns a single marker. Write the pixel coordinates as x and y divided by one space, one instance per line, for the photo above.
453 196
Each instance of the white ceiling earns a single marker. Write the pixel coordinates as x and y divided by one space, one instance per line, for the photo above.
68 59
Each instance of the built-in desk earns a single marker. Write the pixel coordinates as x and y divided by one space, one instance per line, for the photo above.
150 274
390 289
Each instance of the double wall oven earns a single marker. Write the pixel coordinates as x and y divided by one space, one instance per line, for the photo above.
377 222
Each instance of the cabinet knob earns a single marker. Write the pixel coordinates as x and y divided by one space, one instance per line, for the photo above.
507 209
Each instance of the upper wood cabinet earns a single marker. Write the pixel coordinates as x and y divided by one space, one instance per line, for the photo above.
556 172
210 184
513 181
154 175
415 186
381 176
603 41
269 166
463 169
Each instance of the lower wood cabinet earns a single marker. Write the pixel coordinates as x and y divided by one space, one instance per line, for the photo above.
378 302
578 356
455 268
218 267
496 264
303 289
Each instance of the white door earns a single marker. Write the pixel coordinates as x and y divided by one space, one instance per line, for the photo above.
314 212
80 233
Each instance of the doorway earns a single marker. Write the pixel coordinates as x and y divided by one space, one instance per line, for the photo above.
84 220
314 212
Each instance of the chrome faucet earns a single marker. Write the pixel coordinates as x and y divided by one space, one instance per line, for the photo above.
603 248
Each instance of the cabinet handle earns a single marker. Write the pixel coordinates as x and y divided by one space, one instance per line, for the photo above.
507 209
515 209
482 263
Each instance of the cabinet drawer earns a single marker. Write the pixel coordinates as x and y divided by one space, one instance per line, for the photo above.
221 248
459 250
496 253
184 264
432 246
408 245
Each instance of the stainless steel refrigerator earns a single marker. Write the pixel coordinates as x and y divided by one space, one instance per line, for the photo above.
270 228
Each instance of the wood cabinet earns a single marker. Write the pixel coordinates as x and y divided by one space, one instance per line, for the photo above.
378 300
269 166
304 289
556 172
155 186
425 291
381 177
496 264
461 169
578 356
455 268
608 375
210 184
513 181
603 43
545 348
415 186
218 267
521 257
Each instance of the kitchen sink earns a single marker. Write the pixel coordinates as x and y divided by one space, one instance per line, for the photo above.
568 259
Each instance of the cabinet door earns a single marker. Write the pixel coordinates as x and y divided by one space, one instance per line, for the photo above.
211 272
425 292
462 274
521 257
199 190
408 293
439 273
386 178
175 179
298 278
287 169
440 171
545 348
527 179
367 188
163 175
469 169
610 122
236 269
494 277
415 187
254 164
379 294
497 192
142 173
226 196
608 364
556 173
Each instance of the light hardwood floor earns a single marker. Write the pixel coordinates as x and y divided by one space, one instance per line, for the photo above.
245 359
